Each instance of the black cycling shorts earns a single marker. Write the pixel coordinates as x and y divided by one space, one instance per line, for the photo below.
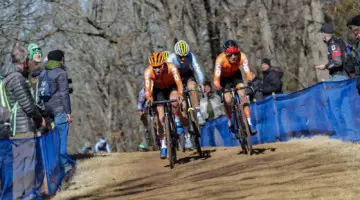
231 82
163 94
185 77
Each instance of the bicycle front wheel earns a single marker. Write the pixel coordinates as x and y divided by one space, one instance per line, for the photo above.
246 132
170 143
240 132
196 133
153 134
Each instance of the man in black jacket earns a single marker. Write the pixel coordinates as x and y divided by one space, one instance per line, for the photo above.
28 119
58 105
336 54
271 78
257 86
354 26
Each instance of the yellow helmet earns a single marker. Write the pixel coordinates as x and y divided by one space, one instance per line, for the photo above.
166 54
156 59
181 48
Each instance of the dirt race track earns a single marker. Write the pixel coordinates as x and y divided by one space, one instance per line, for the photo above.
317 168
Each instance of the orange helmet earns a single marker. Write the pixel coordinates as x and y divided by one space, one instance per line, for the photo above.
156 59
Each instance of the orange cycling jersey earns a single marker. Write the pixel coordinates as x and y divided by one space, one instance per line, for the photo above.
223 68
169 76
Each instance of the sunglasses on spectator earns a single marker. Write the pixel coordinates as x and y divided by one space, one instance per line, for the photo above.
36 49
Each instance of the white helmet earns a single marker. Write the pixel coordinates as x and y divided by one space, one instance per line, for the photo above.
182 48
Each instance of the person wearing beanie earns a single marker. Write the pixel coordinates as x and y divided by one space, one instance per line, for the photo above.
257 87
271 78
58 105
354 26
211 108
33 64
336 54
35 52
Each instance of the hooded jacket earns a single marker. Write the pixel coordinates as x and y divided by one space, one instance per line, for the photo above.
58 81
272 81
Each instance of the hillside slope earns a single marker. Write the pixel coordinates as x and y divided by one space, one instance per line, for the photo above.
317 168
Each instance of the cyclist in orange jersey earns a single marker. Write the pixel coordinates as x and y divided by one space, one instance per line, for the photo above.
163 82
227 75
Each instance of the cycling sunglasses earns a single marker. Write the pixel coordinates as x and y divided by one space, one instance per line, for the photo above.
157 67
182 57
232 54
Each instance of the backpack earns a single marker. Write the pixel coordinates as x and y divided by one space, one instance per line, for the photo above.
349 58
7 114
43 88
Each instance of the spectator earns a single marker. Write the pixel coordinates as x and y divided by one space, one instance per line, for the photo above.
336 54
34 63
143 147
28 119
271 78
87 148
58 106
102 145
211 108
257 86
33 68
354 26
143 114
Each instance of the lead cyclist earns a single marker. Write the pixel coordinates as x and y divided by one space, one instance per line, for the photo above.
191 74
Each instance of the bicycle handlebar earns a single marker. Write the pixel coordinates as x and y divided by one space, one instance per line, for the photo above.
224 90
187 90
164 102
235 89
197 89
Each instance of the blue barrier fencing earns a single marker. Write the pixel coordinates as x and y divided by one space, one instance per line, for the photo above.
26 164
327 108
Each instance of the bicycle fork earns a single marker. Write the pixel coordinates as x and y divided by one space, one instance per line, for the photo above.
171 125
189 109
234 104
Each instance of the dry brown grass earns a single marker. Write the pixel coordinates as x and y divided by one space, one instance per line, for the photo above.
317 168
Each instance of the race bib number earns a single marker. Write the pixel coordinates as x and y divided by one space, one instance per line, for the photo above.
217 70
147 83
176 77
246 66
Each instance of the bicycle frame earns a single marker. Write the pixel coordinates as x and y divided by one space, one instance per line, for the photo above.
243 130
194 127
190 109
169 130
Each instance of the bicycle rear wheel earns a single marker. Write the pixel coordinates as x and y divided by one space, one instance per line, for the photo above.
170 143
